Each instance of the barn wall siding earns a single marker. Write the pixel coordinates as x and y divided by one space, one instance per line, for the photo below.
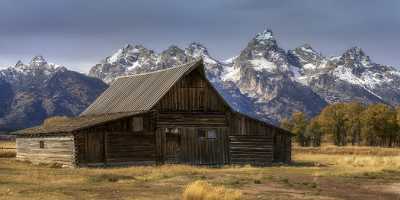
256 150
126 141
193 93
59 149
186 146
274 144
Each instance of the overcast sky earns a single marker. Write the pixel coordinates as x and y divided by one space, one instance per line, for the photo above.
79 33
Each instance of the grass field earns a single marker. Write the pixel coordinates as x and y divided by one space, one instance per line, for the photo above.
7 149
347 174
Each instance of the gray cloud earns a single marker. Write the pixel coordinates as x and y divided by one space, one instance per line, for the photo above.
80 33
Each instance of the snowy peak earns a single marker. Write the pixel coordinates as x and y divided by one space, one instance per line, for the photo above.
172 56
307 58
355 58
263 54
196 50
19 64
266 35
38 61
173 50
264 40
307 49
37 65
128 54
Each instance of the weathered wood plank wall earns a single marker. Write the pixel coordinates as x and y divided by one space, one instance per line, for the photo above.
193 149
126 141
191 94
255 150
59 149
250 135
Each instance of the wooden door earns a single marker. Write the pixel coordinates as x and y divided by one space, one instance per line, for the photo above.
173 147
95 148
211 146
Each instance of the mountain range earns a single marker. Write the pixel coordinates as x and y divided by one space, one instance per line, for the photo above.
32 92
264 80
267 81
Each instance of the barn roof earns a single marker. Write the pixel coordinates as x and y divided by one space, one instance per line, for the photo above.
138 92
74 124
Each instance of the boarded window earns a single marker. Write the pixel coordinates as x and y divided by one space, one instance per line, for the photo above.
211 134
137 124
41 144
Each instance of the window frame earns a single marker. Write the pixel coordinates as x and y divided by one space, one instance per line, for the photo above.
135 121
41 144
206 133
214 134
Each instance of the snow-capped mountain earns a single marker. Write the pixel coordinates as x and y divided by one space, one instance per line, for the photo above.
351 76
133 59
263 74
32 92
266 81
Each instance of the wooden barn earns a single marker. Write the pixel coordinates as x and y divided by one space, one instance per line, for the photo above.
168 116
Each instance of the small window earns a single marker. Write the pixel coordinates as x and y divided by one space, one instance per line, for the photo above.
172 130
211 134
137 124
41 144
202 134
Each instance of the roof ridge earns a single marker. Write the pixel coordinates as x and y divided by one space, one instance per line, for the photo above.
162 70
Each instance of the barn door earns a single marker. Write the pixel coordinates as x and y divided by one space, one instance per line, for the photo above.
173 145
210 147
95 148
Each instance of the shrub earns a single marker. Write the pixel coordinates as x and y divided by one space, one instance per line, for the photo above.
201 190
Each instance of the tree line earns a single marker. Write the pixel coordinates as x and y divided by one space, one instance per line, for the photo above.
347 124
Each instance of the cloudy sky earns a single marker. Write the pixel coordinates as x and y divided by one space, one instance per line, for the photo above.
78 33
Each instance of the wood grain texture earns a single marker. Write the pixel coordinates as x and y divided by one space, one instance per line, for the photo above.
56 150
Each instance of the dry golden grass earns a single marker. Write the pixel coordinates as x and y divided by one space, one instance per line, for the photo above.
312 176
54 121
348 150
7 149
350 160
201 190
7 144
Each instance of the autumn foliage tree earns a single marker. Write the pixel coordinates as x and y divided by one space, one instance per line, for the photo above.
379 125
314 132
333 122
348 123
297 125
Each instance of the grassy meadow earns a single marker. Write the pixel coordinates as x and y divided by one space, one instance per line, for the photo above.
316 173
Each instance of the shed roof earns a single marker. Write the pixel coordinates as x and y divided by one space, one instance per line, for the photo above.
77 123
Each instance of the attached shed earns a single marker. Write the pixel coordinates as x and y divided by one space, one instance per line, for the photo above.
168 116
